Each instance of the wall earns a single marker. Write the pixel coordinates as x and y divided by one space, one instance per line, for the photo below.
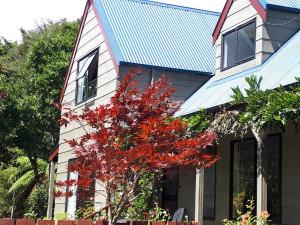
278 29
91 39
290 177
185 84
186 191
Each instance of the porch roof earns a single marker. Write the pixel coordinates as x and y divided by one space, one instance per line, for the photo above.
280 69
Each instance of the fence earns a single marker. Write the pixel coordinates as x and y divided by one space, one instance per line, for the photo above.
85 222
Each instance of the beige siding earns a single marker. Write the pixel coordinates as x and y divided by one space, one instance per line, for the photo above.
184 83
186 192
279 28
290 177
91 39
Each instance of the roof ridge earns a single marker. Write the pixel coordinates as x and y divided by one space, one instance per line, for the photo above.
175 6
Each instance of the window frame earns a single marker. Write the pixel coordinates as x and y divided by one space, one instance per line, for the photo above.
94 51
235 30
232 144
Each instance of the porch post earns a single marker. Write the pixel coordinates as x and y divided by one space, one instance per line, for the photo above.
199 196
262 186
51 188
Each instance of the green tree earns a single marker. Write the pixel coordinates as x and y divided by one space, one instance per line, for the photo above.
26 112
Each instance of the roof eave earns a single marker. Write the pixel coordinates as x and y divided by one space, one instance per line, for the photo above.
283 8
203 73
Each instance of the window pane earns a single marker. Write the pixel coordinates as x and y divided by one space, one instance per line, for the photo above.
246 42
209 192
85 197
229 50
274 183
87 77
92 77
244 175
81 89
82 63
92 71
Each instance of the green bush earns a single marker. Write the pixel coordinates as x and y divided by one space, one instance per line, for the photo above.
37 202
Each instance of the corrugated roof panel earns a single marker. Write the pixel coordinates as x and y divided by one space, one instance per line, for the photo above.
284 3
280 69
163 35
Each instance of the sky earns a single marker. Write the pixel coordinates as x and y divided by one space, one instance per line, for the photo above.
16 14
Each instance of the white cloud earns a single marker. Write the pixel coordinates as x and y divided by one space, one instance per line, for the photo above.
15 14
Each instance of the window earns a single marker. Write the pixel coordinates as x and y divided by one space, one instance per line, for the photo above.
71 201
239 45
209 193
81 197
86 83
170 190
274 178
243 175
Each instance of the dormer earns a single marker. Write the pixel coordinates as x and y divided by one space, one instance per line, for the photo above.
250 31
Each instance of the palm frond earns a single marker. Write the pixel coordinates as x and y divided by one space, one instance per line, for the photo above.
21 185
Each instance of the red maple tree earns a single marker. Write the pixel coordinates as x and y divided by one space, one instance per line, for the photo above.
133 134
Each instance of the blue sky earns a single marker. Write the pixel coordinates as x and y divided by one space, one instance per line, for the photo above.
15 14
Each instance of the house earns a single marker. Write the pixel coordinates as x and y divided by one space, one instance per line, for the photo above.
259 37
116 36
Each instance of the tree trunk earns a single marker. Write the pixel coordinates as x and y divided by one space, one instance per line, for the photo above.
262 170
33 162
109 211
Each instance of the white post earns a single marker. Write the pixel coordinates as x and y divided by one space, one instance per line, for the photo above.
199 194
51 189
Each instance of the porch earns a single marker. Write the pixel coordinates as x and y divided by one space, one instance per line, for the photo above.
217 195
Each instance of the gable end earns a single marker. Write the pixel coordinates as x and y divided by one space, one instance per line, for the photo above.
255 3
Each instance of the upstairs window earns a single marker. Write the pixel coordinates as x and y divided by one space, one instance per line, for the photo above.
86 83
239 45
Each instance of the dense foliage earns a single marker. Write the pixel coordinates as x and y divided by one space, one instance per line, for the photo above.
259 111
132 135
17 183
31 76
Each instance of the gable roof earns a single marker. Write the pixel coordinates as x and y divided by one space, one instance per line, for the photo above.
156 34
281 69
261 6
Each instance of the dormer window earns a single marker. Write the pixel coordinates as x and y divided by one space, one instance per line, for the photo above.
239 45
86 83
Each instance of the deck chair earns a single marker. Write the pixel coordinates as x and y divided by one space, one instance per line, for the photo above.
177 217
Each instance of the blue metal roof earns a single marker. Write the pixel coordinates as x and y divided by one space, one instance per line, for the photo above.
281 4
157 34
280 69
